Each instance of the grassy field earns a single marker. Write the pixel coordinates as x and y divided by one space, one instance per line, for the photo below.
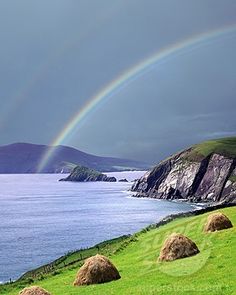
213 271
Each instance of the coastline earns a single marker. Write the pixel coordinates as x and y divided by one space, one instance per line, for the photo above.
178 201
122 241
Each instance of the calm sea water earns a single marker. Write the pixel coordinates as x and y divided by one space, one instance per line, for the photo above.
42 219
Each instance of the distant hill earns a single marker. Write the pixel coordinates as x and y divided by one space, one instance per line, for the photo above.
25 158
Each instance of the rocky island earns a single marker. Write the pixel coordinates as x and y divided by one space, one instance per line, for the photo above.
84 174
202 173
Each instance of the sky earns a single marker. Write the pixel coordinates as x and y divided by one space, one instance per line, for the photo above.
56 55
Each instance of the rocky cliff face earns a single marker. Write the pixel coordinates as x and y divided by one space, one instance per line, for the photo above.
198 178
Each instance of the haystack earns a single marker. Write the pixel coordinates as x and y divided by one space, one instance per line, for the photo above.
177 246
96 270
34 290
217 221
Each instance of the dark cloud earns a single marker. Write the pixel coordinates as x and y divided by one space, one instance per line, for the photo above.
55 55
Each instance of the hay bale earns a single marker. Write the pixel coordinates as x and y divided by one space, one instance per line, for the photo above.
34 290
177 246
96 270
217 221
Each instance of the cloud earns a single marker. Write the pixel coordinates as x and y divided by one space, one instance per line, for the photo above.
218 134
86 44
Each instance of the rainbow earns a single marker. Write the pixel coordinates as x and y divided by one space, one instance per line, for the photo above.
130 75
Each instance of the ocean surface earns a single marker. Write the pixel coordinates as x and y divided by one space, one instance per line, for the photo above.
42 219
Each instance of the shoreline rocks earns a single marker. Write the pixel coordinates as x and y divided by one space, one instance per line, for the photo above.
123 180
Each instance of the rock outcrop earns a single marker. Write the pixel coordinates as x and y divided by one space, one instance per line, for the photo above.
123 180
202 173
84 174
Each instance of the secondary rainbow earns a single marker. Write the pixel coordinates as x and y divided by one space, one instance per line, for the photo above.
131 75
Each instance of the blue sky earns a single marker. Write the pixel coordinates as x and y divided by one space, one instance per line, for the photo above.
55 55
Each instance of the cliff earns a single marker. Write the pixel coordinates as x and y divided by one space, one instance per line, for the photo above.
84 174
202 173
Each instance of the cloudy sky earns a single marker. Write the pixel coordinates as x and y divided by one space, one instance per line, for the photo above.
55 55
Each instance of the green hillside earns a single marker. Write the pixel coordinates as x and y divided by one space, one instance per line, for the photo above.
210 272
222 146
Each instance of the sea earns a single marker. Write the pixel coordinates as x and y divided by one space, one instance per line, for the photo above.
42 219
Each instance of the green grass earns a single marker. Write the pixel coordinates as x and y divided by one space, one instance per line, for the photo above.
76 258
233 178
222 146
85 171
210 272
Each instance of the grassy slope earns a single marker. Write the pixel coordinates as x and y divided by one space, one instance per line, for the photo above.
76 259
223 146
81 171
210 272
